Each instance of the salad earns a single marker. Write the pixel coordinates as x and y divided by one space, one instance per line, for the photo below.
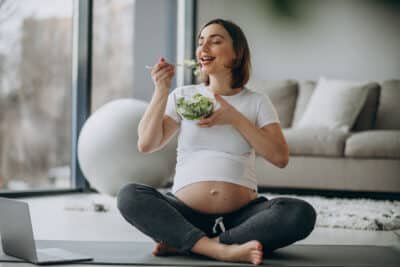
194 108
192 64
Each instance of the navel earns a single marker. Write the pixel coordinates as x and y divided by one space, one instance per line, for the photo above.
213 191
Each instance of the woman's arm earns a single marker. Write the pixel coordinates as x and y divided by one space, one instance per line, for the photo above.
268 141
150 130
151 126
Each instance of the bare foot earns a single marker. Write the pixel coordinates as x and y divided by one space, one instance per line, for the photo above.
162 249
251 251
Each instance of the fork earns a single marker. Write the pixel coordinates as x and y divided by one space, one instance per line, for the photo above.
178 65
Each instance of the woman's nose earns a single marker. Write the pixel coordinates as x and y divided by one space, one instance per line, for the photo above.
204 47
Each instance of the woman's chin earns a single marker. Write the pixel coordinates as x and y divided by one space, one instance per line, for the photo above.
207 70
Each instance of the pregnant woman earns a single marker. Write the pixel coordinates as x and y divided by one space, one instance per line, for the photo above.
214 208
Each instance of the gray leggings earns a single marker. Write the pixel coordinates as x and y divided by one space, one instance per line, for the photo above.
275 223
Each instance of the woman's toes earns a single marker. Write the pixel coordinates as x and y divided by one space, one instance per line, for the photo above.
256 245
257 258
257 254
156 249
162 249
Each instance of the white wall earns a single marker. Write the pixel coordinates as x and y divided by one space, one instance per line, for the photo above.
357 40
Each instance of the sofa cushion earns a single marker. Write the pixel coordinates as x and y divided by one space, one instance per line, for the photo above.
283 96
389 108
374 144
334 104
306 89
315 142
367 117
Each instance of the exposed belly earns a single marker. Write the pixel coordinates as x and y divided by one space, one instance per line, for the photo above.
215 197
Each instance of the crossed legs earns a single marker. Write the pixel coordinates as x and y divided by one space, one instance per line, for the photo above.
251 231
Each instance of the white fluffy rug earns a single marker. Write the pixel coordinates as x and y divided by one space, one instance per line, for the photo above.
362 214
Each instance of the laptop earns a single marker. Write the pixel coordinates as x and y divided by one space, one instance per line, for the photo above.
17 237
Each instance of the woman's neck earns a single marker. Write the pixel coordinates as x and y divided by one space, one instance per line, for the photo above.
222 86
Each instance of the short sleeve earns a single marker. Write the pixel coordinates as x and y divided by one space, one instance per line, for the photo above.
266 112
170 109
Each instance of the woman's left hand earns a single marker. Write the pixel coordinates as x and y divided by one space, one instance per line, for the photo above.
226 114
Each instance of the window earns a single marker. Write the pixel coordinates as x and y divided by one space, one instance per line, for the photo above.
50 83
35 94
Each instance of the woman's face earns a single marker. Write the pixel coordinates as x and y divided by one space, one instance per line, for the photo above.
215 50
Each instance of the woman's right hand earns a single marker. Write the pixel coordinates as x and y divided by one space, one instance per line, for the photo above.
162 74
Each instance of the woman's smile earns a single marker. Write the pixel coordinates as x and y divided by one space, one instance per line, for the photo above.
206 60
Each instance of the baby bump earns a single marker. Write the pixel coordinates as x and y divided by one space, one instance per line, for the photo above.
215 197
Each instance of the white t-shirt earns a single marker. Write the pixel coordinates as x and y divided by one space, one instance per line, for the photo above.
220 152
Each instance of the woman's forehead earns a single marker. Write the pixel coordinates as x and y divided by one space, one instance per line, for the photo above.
214 30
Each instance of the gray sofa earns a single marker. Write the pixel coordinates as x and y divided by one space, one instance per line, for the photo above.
367 159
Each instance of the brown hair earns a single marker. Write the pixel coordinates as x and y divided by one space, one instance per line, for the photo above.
241 66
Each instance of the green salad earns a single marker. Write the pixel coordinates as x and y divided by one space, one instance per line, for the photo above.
194 108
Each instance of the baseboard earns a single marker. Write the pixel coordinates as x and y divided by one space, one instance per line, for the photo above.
331 193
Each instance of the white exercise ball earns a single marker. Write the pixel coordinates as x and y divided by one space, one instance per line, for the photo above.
108 153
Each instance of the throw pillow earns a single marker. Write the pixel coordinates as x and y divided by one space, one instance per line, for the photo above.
283 94
335 104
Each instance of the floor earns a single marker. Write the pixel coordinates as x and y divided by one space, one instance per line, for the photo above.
72 217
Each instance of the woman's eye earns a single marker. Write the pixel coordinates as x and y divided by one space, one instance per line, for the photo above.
213 42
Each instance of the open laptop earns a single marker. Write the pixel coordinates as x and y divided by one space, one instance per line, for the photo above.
17 236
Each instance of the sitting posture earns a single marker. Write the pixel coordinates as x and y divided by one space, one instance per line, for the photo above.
214 208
